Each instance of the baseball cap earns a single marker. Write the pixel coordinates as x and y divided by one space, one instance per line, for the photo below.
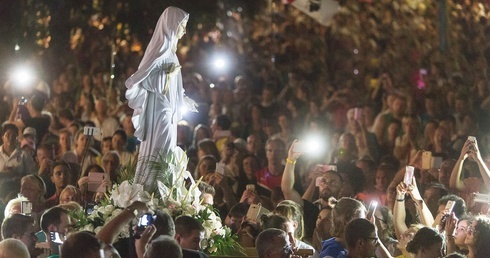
30 131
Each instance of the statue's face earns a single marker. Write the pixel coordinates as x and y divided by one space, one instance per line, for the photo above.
181 29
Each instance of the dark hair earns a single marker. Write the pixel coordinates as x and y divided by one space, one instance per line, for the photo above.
184 225
238 210
121 133
358 229
66 113
38 101
482 234
423 239
80 244
11 127
223 121
61 163
209 147
265 240
16 225
52 217
107 138
440 187
164 246
459 204
164 223
274 221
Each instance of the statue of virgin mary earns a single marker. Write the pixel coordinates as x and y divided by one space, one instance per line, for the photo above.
156 94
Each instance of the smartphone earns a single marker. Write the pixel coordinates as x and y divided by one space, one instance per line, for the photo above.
255 211
436 162
447 211
372 209
144 221
300 147
426 160
481 198
56 237
472 139
357 113
26 208
95 181
325 167
89 207
250 187
407 179
220 168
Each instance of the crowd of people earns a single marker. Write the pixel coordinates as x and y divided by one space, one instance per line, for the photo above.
407 105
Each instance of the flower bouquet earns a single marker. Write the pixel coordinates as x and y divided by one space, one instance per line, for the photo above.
177 194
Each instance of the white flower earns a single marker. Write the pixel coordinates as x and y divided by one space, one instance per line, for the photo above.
126 193
108 209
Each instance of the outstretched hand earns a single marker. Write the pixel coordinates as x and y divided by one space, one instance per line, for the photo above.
294 155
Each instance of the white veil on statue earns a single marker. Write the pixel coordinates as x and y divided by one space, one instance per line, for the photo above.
157 109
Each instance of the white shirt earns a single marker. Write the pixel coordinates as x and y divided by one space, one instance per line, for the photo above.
19 161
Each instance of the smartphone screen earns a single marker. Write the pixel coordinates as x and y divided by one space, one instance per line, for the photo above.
144 221
26 208
56 237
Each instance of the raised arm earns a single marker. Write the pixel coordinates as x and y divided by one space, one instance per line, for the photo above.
455 181
108 234
484 171
399 213
425 216
287 181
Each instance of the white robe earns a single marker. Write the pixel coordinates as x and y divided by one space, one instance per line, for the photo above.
156 112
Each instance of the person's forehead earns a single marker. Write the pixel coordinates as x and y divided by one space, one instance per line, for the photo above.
331 176
59 168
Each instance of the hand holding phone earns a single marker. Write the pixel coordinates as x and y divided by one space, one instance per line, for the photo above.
251 187
447 212
372 209
95 180
144 221
407 179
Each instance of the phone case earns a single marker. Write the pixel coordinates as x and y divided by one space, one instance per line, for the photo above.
95 181
426 160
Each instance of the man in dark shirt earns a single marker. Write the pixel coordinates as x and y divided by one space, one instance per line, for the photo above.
330 185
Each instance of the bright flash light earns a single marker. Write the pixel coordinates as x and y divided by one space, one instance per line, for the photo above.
314 145
219 63
22 76
184 109
211 85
